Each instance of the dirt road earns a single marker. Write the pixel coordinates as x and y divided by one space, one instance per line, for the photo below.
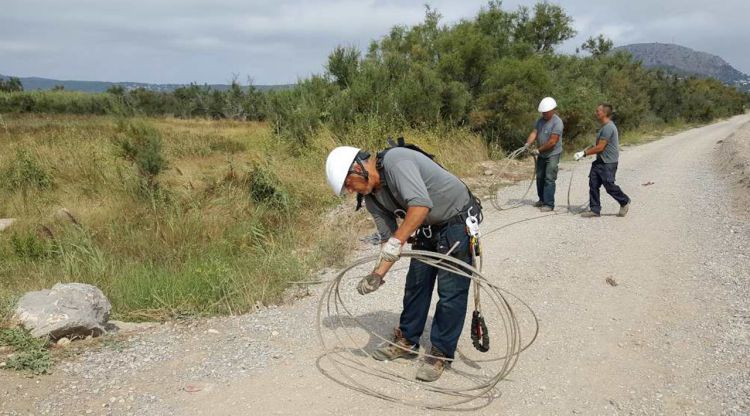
672 337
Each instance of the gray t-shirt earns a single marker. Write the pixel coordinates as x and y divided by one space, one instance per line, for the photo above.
545 129
611 153
415 180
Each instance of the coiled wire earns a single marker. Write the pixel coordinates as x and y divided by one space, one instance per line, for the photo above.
347 362
495 188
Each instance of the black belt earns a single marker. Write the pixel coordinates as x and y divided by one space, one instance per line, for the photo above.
460 218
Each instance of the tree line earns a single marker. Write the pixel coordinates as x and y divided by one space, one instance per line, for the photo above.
486 74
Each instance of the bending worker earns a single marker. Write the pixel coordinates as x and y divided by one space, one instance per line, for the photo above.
547 133
604 168
402 182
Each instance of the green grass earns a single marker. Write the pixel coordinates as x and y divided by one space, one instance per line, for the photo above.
227 218
29 354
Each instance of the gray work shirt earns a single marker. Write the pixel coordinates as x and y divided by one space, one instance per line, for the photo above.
415 181
545 129
611 153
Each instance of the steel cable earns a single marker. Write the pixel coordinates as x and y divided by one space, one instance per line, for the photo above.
353 367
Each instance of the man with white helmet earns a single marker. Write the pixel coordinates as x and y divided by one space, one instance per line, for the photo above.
404 182
547 133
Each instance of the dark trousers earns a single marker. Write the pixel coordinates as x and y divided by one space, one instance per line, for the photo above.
546 175
604 174
453 292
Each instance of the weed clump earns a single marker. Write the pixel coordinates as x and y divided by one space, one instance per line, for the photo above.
141 144
25 172
30 246
30 353
265 188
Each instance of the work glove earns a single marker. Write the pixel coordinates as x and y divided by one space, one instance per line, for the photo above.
580 155
534 152
391 250
370 283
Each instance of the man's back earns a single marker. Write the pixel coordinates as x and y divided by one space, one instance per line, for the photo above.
416 180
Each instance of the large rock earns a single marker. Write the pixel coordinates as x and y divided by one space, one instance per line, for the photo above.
67 310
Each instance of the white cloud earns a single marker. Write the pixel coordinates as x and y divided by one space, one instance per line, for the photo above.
275 42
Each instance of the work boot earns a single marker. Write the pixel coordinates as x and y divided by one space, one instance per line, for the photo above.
546 208
590 214
538 204
403 348
432 367
624 210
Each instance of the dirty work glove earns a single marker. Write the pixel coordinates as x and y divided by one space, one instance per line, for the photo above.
534 152
580 155
391 250
370 283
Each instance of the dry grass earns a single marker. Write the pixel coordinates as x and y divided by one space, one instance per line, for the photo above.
237 214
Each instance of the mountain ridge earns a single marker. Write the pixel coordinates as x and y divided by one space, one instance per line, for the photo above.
685 61
40 83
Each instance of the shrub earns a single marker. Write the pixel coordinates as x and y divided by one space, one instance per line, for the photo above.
25 172
142 145
265 188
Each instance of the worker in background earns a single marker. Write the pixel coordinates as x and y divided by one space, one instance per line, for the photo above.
401 182
604 168
548 132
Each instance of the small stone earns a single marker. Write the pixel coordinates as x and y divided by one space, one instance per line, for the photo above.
63 342
212 331
6 222
275 333
488 172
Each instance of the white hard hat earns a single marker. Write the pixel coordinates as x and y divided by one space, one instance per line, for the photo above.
337 166
547 104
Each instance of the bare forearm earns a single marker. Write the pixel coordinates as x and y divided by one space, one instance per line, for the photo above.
415 217
595 150
532 137
550 143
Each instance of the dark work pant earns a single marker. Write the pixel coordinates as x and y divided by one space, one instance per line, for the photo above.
604 174
546 175
453 292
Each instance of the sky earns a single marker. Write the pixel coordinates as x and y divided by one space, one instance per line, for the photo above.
278 42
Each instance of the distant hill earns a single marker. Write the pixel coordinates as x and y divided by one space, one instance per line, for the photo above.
685 61
35 83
